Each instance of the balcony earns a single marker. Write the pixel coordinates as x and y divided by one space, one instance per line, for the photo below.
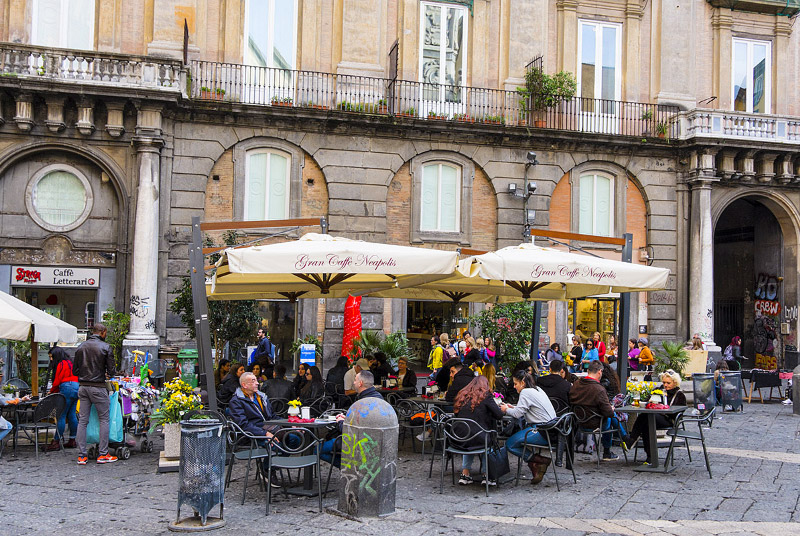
436 103
99 70
701 123
788 8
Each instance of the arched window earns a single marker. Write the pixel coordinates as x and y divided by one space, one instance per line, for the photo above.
596 204
266 190
440 204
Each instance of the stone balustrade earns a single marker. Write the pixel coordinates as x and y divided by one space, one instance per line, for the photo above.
703 123
89 67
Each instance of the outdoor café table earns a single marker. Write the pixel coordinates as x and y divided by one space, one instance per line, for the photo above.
319 427
428 402
672 411
17 414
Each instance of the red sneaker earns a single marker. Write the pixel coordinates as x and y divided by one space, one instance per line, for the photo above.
106 459
82 460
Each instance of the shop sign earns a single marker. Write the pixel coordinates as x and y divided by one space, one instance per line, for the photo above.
55 276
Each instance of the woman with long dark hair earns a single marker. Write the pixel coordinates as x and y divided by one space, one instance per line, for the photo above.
299 380
230 383
223 369
313 388
536 407
334 383
476 402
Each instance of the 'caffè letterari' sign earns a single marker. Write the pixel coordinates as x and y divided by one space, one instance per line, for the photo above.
55 276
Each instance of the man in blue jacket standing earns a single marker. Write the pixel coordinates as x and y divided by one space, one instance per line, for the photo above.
264 353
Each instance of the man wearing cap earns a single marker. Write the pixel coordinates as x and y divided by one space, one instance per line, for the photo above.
350 376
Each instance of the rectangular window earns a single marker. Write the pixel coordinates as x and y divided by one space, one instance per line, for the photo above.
751 72
443 51
441 195
599 72
266 195
271 33
63 24
596 205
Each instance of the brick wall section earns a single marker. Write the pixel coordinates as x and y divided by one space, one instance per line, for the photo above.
315 196
484 211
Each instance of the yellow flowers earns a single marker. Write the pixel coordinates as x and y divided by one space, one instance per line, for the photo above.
295 403
176 398
657 392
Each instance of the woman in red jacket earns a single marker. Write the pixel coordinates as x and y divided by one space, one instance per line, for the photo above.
66 383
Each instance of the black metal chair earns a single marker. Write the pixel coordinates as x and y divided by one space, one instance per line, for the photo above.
680 432
292 448
457 432
280 407
336 454
17 383
244 446
45 416
405 410
562 427
583 416
560 407
321 405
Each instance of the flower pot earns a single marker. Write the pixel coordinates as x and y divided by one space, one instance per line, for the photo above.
383 109
286 104
539 123
172 440
211 95
294 411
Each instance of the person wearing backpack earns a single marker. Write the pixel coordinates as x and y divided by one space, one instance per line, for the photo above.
449 350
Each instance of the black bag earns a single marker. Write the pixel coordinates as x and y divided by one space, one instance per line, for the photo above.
497 460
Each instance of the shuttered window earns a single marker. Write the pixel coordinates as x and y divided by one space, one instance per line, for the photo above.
63 24
267 185
441 195
596 205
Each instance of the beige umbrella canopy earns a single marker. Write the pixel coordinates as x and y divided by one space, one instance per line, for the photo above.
320 266
530 272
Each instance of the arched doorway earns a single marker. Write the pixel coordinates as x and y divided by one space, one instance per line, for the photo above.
755 279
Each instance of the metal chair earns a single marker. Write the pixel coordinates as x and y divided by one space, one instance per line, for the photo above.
244 446
17 383
457 432
336 455
280 407
583 416
302 451
45 416
405 410
560 407
562 426
679 432
321 405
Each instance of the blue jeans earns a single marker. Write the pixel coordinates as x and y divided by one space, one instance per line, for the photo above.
326 453
608 424
516 443
4 432
467 459
70 392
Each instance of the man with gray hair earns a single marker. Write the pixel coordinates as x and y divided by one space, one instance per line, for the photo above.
250 408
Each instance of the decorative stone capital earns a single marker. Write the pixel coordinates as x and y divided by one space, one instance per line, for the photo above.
766 167
148 121
747 165
115 124
55 114
85 123
785 173
701 166
148 144
24 115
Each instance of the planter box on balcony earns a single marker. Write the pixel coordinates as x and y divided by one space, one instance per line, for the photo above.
465 119
211 95
438 117
404 114
318 107
284 104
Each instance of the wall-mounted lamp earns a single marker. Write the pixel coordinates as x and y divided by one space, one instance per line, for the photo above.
646 254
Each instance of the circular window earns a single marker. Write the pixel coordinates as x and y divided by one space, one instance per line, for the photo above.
59 199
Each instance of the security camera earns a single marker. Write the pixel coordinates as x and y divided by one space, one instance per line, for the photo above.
532 158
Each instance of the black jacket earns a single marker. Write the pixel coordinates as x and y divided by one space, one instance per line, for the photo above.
298 383
556 387
442 378
484 414
278 388
335 378
250 415
263 353
229 385
410 380
311 391
381 371
94 360
460 380
369 392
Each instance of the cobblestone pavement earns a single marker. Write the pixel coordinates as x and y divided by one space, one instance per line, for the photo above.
755 459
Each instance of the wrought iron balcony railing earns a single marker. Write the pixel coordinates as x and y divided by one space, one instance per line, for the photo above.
436 102
89 67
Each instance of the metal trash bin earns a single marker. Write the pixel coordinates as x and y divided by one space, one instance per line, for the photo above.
730 390
705 395
202 468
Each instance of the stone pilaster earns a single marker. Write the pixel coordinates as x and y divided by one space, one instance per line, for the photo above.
55 115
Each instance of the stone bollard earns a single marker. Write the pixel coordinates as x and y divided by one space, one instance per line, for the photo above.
369 459
796 390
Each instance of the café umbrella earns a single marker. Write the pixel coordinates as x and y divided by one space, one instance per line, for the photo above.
530 272
324 266
20 321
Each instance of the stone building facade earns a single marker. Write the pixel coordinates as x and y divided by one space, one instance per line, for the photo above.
351 103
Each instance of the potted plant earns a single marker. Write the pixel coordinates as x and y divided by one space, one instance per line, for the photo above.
383 106
647 119
206 93
434 115
394 345
176 398
278 101
219 93
671 355
408 112
662 130
543 91
463 118
312 104
494 119
294 408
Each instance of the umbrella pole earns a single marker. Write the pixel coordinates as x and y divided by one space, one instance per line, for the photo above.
624 313
34 366
536 331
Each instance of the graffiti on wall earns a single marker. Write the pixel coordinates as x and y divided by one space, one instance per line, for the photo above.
765 326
